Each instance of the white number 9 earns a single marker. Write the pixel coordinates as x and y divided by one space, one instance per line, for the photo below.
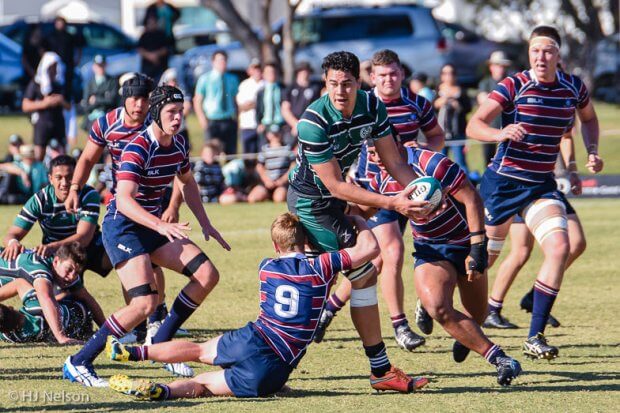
287 304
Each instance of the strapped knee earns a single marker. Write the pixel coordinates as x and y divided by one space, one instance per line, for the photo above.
141 291
195 263
546 217
364 297
360 272
495 245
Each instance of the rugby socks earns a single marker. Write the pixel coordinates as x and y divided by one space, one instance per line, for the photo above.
399 320
493 353
159 314
95 345
182 308
334 304
495 305
379 362
164 394
138 353
544 297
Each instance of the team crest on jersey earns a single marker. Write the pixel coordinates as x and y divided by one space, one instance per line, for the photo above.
365 132
413 117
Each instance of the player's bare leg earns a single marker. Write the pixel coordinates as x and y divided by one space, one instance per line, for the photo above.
366 317
497 236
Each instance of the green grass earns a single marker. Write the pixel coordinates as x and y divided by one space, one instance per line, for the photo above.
334 374
608 116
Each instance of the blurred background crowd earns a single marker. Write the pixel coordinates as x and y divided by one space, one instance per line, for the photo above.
249 69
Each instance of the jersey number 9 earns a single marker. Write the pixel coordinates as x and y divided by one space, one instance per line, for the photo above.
287 301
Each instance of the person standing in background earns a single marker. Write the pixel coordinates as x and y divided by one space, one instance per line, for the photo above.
498 67
154 47
100 94
269 99
33 48
166 15
246 102
453 104
214 103
418 85
296 99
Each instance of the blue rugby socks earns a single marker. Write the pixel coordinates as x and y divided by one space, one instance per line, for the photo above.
182 308
95 345
544 297
493 353
495 305
334 304
379 361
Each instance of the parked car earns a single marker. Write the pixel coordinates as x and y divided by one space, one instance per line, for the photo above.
11 73
607 69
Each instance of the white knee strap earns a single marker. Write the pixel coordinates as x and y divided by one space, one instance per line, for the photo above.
364 297
545 225
494 246
549 226
534 208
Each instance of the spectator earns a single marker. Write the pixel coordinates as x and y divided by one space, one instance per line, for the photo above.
365 69
166 15
8 182
31 175
417 84
208 172
154 48
274 162
214 103
296 98
453 105
171 78
100 94
237 178
498 67
32 51
246 102
53 150
44 99
15 142
69 48
269 99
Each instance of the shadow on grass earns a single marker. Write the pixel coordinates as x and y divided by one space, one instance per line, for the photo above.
106 406
517 388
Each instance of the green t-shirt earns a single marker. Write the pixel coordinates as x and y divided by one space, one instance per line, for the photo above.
37 172
325 134
33 329
56 224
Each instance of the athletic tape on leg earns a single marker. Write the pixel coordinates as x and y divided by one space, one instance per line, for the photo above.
360 272
195 263
141 291
542 226
364 297
494 246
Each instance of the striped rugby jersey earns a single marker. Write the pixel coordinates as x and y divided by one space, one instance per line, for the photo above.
546 111
451 226
293 290
408 114
276 159
110 131
153 167
324 134
56 224
31 267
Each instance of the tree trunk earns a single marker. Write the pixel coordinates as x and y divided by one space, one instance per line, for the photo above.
288 44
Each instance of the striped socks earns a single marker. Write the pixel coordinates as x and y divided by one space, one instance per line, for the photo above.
544 297
495 305
399 320
182 308
334 304
95 345
379 362
138 353
493 353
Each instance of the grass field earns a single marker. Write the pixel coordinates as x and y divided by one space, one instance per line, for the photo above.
334 374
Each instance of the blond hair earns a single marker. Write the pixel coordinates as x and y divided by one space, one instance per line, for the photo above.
287 232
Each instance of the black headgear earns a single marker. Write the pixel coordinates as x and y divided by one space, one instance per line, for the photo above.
136 86
161 96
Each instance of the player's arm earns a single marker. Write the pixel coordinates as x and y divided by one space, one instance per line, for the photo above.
567 151
12 244
171 214
191 194
479 127
89 157
83 295
436 138
393 161
590 133
51 312
366 248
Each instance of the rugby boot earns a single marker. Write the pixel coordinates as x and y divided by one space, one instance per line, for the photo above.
423 319
507 370
459 352
537 348
82 373
407 339
140 389
324 322
495 320
396 379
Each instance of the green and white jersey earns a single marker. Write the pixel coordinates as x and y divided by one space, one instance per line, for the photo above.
325 134
56 224
32 267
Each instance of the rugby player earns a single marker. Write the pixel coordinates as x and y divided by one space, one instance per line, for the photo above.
134 235
42 282
59 227
408 113
538 106
331 132
258 358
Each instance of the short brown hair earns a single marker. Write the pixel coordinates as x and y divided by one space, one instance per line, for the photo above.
287 232
547 31
10 319
385 57
215 145
73 251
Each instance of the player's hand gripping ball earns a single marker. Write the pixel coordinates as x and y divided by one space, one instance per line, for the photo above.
427 189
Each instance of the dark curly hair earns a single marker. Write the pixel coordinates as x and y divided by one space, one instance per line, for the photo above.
342 61
73 251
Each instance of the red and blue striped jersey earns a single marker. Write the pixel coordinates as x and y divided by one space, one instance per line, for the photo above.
450 227
408 114
153 167
110 131
546 111
293 290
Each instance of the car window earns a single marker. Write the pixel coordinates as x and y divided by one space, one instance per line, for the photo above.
103 37
330 29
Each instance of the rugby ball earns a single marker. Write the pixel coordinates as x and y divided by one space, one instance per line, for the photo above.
427 189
